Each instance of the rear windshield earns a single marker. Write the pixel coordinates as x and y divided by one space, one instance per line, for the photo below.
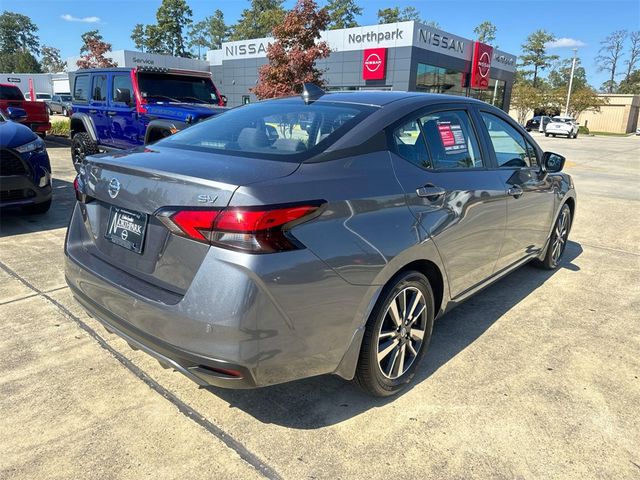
7 92
43 96
177 88
284 130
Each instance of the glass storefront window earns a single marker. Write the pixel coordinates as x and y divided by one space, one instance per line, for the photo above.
434 79
493 95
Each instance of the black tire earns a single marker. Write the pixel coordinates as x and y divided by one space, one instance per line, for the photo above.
82 145
561 229
49 111
546 134
38 208
409 341
553 135
65 112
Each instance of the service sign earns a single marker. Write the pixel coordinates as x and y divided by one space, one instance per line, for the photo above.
481 65
374 64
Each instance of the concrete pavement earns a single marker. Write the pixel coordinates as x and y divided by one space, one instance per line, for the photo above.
536 377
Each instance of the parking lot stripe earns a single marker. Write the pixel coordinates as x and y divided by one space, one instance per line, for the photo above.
184 408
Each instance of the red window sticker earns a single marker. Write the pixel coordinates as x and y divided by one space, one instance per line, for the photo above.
452 137
446 134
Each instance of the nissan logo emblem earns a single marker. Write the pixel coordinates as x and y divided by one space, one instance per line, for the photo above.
484 64
373 62
114 187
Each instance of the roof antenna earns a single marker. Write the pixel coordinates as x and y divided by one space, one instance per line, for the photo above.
311 92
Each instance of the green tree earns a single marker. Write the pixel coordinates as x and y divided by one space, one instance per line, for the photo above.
582 98
293 54
51 60
535 53
259 20
609 57
18 33
560 74
525 98
343 13
486 32
631 83
138 35
19 62
209 33
173 18
93 50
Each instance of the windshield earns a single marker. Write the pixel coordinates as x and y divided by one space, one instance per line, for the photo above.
65 98
8 92
284 130
43 96
177 88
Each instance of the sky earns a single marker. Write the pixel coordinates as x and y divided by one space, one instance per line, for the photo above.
582 23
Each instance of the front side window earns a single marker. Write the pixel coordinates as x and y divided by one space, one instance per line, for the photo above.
99 91
273 130
81 88
451 140
509 145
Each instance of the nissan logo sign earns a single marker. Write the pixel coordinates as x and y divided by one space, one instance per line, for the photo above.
484 64
373 62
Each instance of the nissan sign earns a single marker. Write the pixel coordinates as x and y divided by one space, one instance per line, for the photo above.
481 65
374 64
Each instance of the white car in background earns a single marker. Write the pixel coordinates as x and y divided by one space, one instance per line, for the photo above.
566 126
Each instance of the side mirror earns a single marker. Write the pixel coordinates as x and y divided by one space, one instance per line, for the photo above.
16 114
552 162
123 95
223 99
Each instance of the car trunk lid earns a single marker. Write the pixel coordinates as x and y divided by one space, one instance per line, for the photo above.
130 187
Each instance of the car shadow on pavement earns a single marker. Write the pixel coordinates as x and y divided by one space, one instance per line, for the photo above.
13 221
327 400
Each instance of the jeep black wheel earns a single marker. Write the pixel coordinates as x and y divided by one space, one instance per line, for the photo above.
82 146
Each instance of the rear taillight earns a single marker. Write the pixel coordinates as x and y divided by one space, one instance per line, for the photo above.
78 187
261 229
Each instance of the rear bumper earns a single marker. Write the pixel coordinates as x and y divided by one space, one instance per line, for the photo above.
40 127
202 370
271 318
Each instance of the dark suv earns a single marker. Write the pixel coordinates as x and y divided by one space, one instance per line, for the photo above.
122 108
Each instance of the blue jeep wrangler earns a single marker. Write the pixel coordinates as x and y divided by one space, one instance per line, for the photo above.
122 108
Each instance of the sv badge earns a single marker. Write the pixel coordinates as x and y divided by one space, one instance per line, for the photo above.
204 198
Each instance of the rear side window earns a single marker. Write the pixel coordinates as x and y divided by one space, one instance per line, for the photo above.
409 143
81 88
278 130
99 90
9 92
509 145
121 84
451 140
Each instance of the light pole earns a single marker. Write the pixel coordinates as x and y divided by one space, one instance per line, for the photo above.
573 69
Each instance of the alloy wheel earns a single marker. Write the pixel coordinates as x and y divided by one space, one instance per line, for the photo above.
560 236
402 332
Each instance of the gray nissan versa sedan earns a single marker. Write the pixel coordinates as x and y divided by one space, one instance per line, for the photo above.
311 235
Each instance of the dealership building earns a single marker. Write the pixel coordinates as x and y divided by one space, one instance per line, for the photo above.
397 56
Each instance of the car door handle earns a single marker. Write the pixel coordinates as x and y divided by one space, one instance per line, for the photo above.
515 191
430 191
111 113
93 110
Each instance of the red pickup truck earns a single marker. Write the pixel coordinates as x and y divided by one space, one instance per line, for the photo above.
37 114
